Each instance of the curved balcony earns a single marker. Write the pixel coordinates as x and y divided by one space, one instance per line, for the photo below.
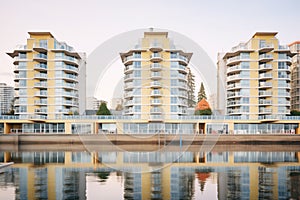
156 75
156 93
128 95
40 67
234 95
156 47
156 111
265 76
70 94
265 67
40 111
265 85
234 103
156 102
155 84
234 111
288 77
155 67
17 59
128 77
287 85
40 76
236 68
40 102
70 103
286 59
40 58
128 86
265 58
129 103
39 47
234 77
265 102
156 118
128 69
40 85
233 60
70 69
234 86
156 57
265 110
264 93
264 48
68 77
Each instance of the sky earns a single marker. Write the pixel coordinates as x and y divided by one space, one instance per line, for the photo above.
216 25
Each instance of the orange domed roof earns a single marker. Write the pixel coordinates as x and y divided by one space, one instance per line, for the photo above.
202 105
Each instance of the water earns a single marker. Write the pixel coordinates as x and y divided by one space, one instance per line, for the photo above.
50 174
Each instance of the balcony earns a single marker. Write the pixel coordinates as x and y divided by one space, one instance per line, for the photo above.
234 77
156 47
40 85
233 103
69 77
40 102
156 111
155 84
286 59
264 48
265 67
128 69
156 118
264 93
265 102
41 94
287 85
40 67
284 77
234 111
156 102
234 86
234 95
265 111
265 76
156 75
40 76
156 93
70 68
70 103
129 103
156 57
40 47
265 58
265 85
128 77
18 59
235 68
40 111
70 94
128 86
128 95
40 58
155 67
233 60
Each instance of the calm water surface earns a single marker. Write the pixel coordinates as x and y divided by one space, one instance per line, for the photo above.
150 175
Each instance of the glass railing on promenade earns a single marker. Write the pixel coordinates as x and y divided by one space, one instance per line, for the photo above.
120 117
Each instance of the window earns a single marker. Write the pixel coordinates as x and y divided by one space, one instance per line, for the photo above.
137 108
137 64
245 65
173 100
44 43
174 108
174 82
22 74
245 100
22 65
22 83
245 55
137 91
137 73
174 91
137 55
174 64
282 65
22 55
173 55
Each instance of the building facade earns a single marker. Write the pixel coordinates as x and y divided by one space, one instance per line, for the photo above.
155 81
258 77
6 98
46 77
295 82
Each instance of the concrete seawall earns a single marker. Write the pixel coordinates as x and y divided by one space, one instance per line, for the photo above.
18 139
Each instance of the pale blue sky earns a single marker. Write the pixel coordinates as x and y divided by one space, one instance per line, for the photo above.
215 25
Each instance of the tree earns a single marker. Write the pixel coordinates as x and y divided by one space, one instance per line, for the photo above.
191 88
203 112
103 110
201 93
295 113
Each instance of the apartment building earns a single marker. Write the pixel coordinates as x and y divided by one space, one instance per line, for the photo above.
258 77
295 79
6 98
47 77
155 81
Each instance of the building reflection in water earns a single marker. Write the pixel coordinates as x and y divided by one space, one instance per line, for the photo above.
154 175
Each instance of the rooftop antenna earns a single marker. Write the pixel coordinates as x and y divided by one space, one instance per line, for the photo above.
151 29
